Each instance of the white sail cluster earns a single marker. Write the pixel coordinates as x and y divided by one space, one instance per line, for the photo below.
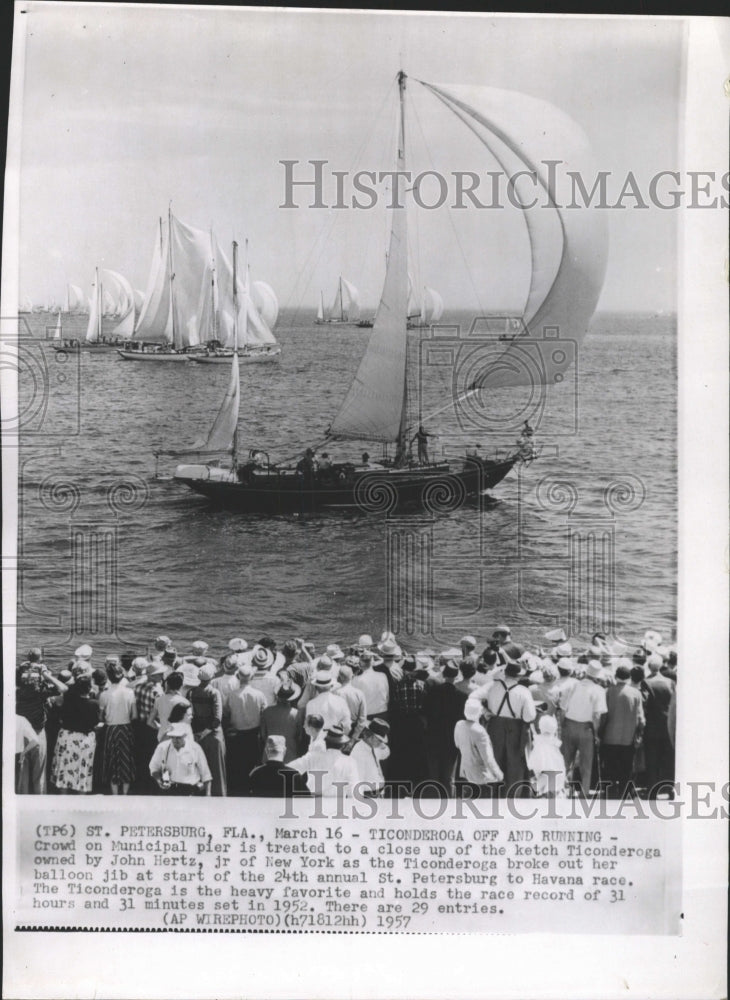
189 297
424 308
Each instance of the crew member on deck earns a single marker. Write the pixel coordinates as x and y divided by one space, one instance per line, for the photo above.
422 437
306 465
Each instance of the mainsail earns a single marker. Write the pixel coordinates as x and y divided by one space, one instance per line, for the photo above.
375 405
569 247
253 331
154 324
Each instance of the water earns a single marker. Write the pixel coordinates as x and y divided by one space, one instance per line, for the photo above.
175 566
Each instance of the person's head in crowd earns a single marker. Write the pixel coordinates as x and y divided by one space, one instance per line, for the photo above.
313 726
174 681
169 656
637 674
179 711
565 666
450 672
623 673
288 692
377 733
473 710
639 657
114 670
344 674
289 651
206 673
654 663
268 643
468 644
275 748
82 686
99 678
468 669
244 671
366 659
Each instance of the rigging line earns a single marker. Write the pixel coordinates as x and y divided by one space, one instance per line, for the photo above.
330 223
450 218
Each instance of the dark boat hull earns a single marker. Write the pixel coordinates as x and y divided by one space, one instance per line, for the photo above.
435 489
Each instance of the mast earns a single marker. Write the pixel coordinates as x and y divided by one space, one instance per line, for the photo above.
234 443
213 288
172 274
342 304
401 448
99 301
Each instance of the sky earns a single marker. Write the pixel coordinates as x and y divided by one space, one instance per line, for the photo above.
129 110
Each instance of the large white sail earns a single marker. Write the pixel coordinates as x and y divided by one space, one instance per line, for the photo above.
154 324
220 436
265 300
192 265
569 246
433 306
374 407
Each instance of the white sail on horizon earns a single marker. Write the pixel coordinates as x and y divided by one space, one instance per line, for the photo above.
346 306
265 300
124 304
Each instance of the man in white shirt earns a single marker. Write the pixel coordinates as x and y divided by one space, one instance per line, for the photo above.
340 771
511 709
179 766
477 766
374 685
583 707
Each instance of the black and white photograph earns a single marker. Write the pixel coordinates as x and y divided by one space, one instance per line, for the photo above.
364 439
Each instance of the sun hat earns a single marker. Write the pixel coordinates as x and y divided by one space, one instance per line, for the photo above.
365 640
206 672
594 670
379 727
178 729
390 648
468 640
334 652
556 635
162 642
84 652
262 659
288 690
237 645
199 647
336 737
155 668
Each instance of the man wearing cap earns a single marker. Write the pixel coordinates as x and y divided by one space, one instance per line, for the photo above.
443 708
512 709
583 708
207 726
368 754
243 707
179 766
145 732
374 686
624 724
282 718
326 702
273 778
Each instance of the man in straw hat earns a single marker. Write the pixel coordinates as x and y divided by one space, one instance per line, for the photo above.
374 686
512 709
179 766
443 708
326 702
584 707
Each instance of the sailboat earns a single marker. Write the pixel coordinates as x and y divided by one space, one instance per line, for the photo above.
255 313
423 309
567 277
94 340
346 305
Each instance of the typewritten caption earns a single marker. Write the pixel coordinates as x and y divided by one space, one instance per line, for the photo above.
259 872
